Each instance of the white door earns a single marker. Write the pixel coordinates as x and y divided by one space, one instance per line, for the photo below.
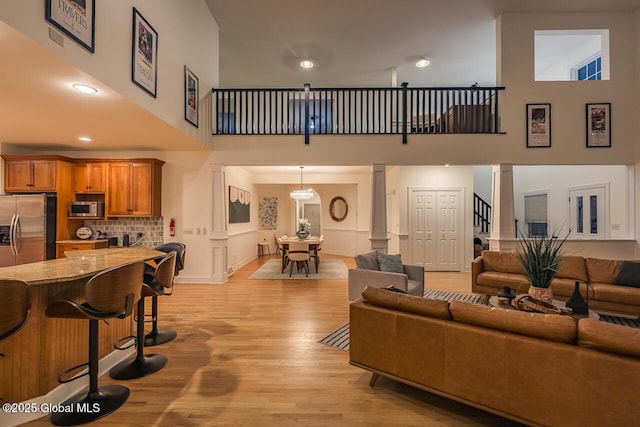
435 229
589 208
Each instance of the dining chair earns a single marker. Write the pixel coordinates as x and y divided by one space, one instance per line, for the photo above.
316 254
299 254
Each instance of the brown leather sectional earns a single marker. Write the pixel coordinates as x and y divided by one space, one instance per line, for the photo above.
538 369
493 270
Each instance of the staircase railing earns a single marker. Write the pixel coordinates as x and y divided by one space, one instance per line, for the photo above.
481 213
356 111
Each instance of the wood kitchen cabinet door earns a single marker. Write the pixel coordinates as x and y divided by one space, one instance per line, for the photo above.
119 189
30 175
134 189
90 177
141 189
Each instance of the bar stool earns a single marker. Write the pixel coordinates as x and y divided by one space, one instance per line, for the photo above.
108 294
146 364
157 337
14 295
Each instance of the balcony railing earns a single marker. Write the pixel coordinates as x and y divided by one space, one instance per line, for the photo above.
362 111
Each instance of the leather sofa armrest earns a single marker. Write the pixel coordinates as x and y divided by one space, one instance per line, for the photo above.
476 268
360 279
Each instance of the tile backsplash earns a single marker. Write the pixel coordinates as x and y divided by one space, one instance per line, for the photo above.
151 227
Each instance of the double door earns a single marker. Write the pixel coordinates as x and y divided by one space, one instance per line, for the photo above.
435 227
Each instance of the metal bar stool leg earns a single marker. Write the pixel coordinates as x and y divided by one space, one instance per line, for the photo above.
143 364
156 337
99 401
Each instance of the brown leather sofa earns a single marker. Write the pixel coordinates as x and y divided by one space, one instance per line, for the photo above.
493 270
537 369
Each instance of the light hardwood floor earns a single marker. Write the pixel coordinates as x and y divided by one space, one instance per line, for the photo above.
247 354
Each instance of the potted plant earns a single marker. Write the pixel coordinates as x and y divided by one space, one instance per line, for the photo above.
540 257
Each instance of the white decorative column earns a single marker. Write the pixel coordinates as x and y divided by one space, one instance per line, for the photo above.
218 237
503 231
378 237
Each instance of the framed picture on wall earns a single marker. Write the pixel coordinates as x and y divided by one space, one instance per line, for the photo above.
75 18
191 94
538 125
599 125
144 54
239 205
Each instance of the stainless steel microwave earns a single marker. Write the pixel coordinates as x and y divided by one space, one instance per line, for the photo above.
92 209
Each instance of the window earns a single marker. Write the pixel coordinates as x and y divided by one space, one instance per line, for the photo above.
563 55
592 70
535 214
589 212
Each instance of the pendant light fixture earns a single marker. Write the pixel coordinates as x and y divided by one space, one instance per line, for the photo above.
301 194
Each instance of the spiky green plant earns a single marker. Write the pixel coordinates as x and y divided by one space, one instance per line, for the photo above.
540 258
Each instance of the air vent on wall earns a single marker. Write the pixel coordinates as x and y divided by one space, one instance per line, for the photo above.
56 36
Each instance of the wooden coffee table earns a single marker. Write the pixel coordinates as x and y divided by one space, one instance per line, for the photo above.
495 302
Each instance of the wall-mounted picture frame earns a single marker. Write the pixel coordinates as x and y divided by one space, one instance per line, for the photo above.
144 54
538 125
598 117
239 205
191 96
75 18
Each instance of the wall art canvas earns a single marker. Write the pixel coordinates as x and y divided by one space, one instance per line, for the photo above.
239 205
191 96
144 52
268 212
538 125
599 125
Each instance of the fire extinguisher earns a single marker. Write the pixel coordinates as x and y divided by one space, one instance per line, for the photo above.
172 227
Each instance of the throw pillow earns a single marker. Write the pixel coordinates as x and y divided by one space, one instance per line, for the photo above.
368 261
394 289
629 274
390 263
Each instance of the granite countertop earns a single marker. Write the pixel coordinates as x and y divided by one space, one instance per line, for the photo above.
77 265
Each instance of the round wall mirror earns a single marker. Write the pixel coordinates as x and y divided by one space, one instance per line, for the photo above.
338 209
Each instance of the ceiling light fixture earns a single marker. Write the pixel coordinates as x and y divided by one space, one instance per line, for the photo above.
423 62
301 194
306 64
84 88
85 139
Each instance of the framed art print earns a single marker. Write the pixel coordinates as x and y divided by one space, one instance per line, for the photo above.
144 54
239 205
75 18
599 125
538 125
191 97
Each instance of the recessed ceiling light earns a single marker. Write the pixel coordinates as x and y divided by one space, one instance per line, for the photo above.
423 62
85 139
306 64
84 88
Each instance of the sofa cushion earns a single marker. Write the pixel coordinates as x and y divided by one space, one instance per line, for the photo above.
573 267
629 274
407 303
615 293
565 288
390 263
368 261
497 280
609 337
553 327
504 262
602 270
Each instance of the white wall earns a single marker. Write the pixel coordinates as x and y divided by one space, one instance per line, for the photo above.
187 35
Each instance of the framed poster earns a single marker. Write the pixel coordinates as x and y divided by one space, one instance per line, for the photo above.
599 125
191 97
239 205
538 125
144 54
75 18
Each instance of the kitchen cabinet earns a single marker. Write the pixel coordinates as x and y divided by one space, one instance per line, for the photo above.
134 188
90 177
78 245
25 175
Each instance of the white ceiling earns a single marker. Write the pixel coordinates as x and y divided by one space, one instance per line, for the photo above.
354 43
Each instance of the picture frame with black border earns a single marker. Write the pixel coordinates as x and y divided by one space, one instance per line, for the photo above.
75 18
144 54
598 124
191 96
538 125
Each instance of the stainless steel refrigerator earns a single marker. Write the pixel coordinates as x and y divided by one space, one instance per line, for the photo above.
27 228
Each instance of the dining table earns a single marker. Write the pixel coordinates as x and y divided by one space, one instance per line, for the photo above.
45 347
314 244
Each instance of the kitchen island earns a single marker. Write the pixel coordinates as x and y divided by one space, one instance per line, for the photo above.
45 347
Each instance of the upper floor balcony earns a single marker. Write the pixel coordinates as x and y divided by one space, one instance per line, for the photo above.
399 111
